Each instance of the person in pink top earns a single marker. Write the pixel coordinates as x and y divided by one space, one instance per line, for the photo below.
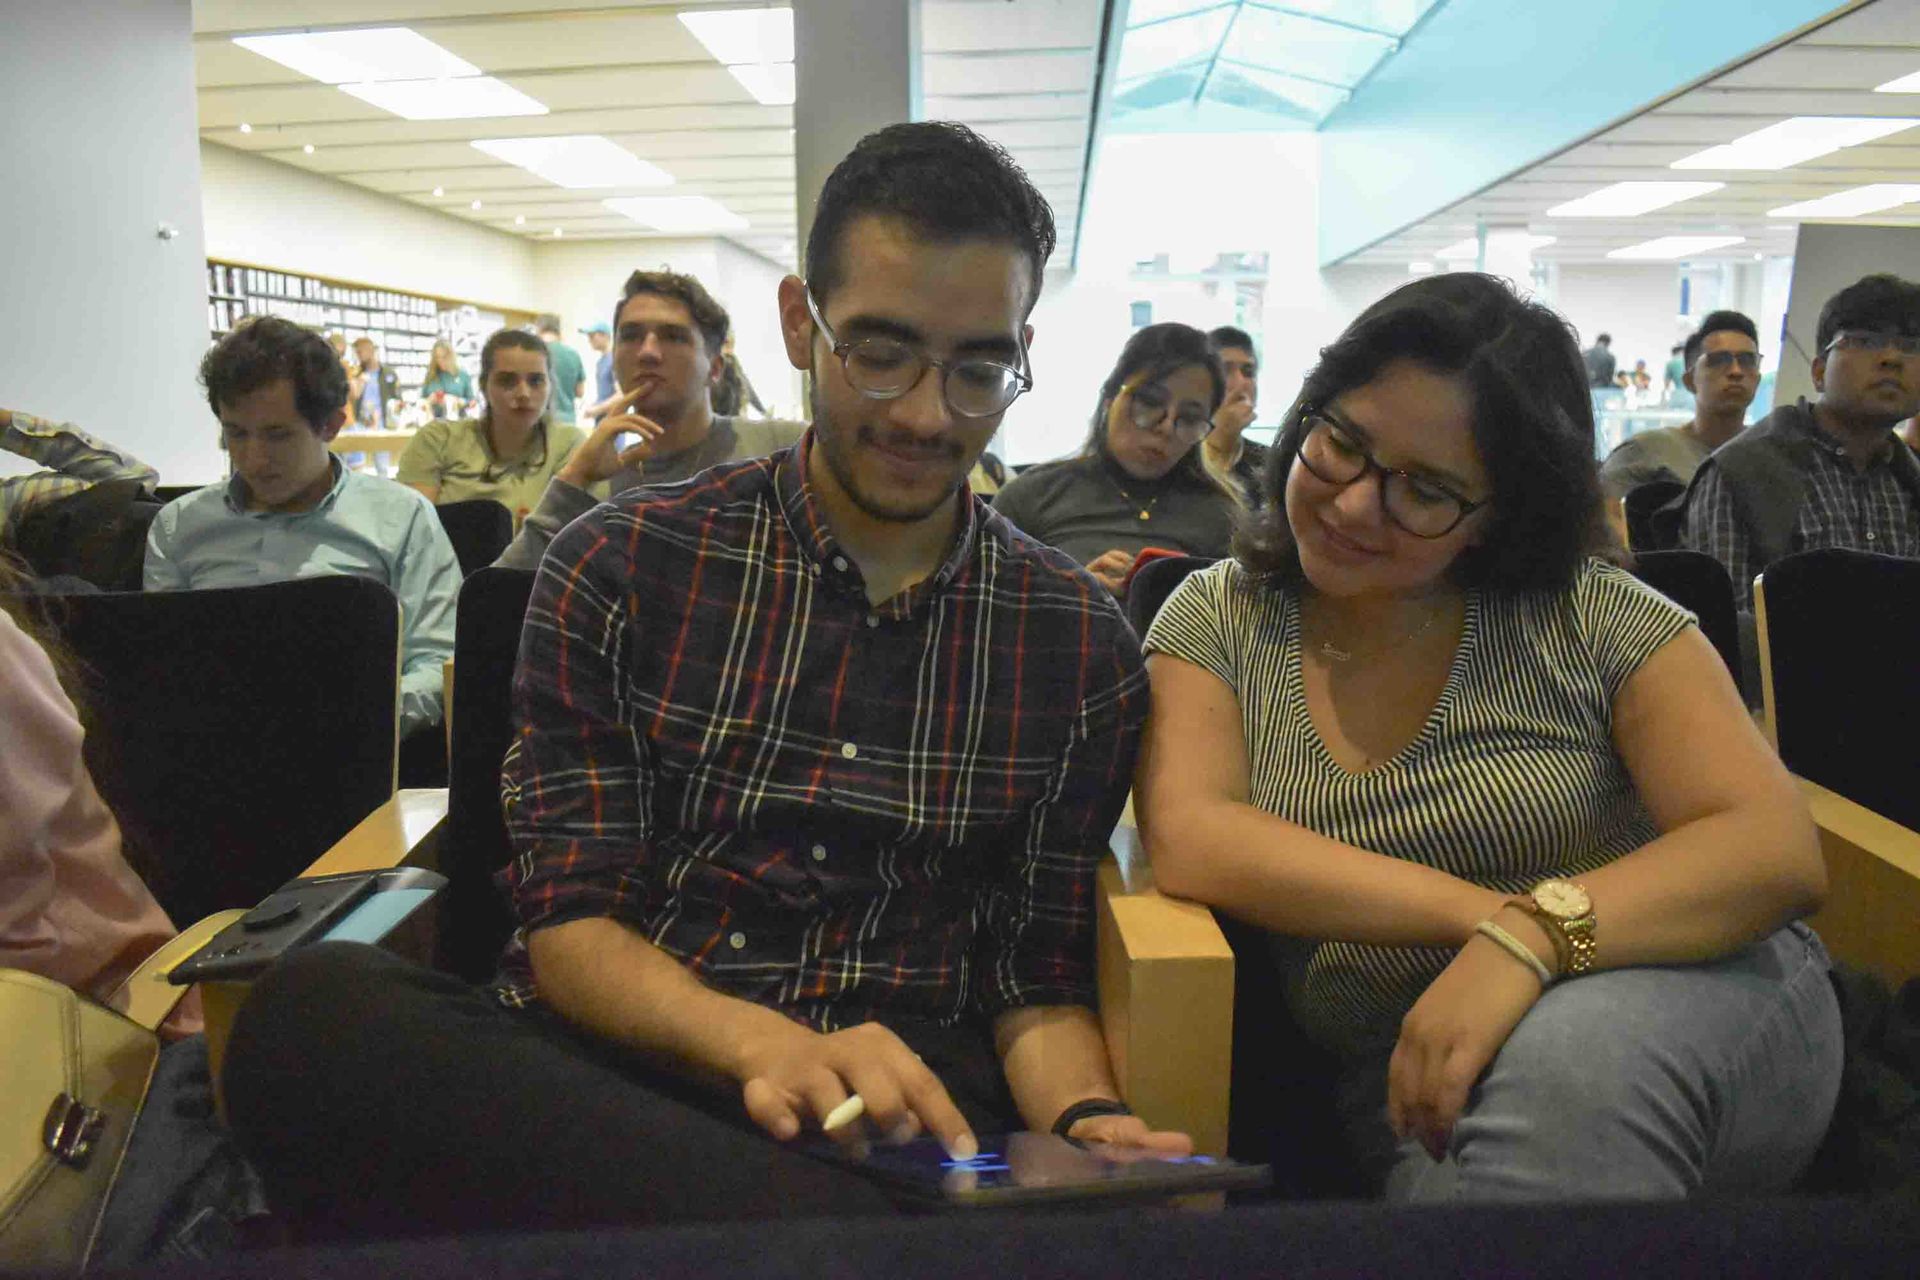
71 909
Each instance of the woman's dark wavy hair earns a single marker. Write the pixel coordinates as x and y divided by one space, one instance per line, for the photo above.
1532 422
1151 354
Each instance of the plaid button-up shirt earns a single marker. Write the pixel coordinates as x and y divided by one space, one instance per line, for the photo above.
1867 510
839 810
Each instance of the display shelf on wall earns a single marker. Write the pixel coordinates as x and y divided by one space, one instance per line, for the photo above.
403 325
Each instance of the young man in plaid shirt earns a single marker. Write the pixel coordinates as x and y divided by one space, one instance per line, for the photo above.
815 756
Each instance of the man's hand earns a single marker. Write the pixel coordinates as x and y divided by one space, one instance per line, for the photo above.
1131 1131
795 1076
1234 413
599 457
1450 1036
1112 568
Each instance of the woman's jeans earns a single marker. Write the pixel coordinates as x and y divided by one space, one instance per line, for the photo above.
1636 1083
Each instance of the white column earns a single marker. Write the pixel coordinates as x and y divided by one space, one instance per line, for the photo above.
856 69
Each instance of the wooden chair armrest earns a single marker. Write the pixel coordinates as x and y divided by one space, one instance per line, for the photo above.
1165 976
148 996
405 831
1873 886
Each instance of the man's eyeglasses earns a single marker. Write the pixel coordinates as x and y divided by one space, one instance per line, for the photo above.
1148 406
1874 340
1719 361
1424 508
887 368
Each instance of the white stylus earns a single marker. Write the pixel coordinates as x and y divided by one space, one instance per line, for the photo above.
845 1114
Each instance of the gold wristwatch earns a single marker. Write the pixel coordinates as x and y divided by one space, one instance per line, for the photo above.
1566 911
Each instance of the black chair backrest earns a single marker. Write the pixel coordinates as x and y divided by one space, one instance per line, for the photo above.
1645 532
475 918
1695 580
237 733
479 529
1153 583
1843 650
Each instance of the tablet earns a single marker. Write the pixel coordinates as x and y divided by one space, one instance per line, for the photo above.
1040 1168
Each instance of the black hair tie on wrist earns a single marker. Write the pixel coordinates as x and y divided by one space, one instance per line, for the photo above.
1088 1107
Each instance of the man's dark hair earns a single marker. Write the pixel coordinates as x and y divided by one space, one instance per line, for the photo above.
266 349
1883 302
709 317
944 181
1717 322
1226 336
1604 340
1532 423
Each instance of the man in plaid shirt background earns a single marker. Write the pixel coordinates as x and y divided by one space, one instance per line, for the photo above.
815 756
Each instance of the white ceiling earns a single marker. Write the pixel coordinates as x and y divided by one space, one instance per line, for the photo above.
1021 72
1829 71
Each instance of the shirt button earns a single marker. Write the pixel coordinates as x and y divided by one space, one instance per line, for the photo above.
840 563
819 853
737 940
1869 535
873 619
848 750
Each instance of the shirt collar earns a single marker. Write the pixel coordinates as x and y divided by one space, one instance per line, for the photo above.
1810 426
801 508
237 493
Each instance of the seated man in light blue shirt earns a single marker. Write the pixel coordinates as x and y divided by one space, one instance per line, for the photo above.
291 510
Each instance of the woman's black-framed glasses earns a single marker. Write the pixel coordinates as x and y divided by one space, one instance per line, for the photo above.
1150 404
1423 507
887 368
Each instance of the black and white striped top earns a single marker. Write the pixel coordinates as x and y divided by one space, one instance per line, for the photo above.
1513 777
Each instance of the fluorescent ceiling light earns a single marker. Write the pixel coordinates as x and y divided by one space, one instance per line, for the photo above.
1779 146
771 83
1905 84
1851 204
1631 199
1470 247
678 213
461 98
369 53
744 35
1669 247
577 160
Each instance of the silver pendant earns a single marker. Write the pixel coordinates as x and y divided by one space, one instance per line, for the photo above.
1328 650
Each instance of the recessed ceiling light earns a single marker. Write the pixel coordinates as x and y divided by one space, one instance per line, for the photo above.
557 233
1668 247
1779 146
245 127
744 35
519 219
308 148
1470 247
577 161
1905 84
770 83
1631 199
1851 204
439 191
678 213
474 205
455 98
366 53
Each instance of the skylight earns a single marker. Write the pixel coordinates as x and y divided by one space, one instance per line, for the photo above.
578 161
369 53
1470 247
1631 199
678 213
1800 138
755 45
1667 248
1851 204
460 98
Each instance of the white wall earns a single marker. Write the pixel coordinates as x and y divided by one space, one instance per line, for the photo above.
270 214
1638 303
105 322
748 286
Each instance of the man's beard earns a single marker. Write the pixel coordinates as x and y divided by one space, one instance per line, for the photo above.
839 459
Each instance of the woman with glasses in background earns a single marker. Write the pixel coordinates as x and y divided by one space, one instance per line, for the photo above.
512 449
448 389
1532 875
1141 480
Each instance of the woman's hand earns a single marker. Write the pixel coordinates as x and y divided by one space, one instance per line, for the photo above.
1112 568
1450 1036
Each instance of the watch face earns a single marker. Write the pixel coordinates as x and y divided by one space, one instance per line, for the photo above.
1562 899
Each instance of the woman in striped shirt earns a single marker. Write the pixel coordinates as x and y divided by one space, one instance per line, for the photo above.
1530 869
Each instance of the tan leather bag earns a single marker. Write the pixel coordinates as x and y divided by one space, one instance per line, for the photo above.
73 1074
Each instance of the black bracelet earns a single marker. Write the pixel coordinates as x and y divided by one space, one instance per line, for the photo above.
1088 1107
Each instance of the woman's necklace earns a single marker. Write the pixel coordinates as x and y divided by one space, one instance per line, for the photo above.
1146 512
1334 653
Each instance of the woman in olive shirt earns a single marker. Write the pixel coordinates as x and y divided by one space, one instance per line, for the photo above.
511 450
